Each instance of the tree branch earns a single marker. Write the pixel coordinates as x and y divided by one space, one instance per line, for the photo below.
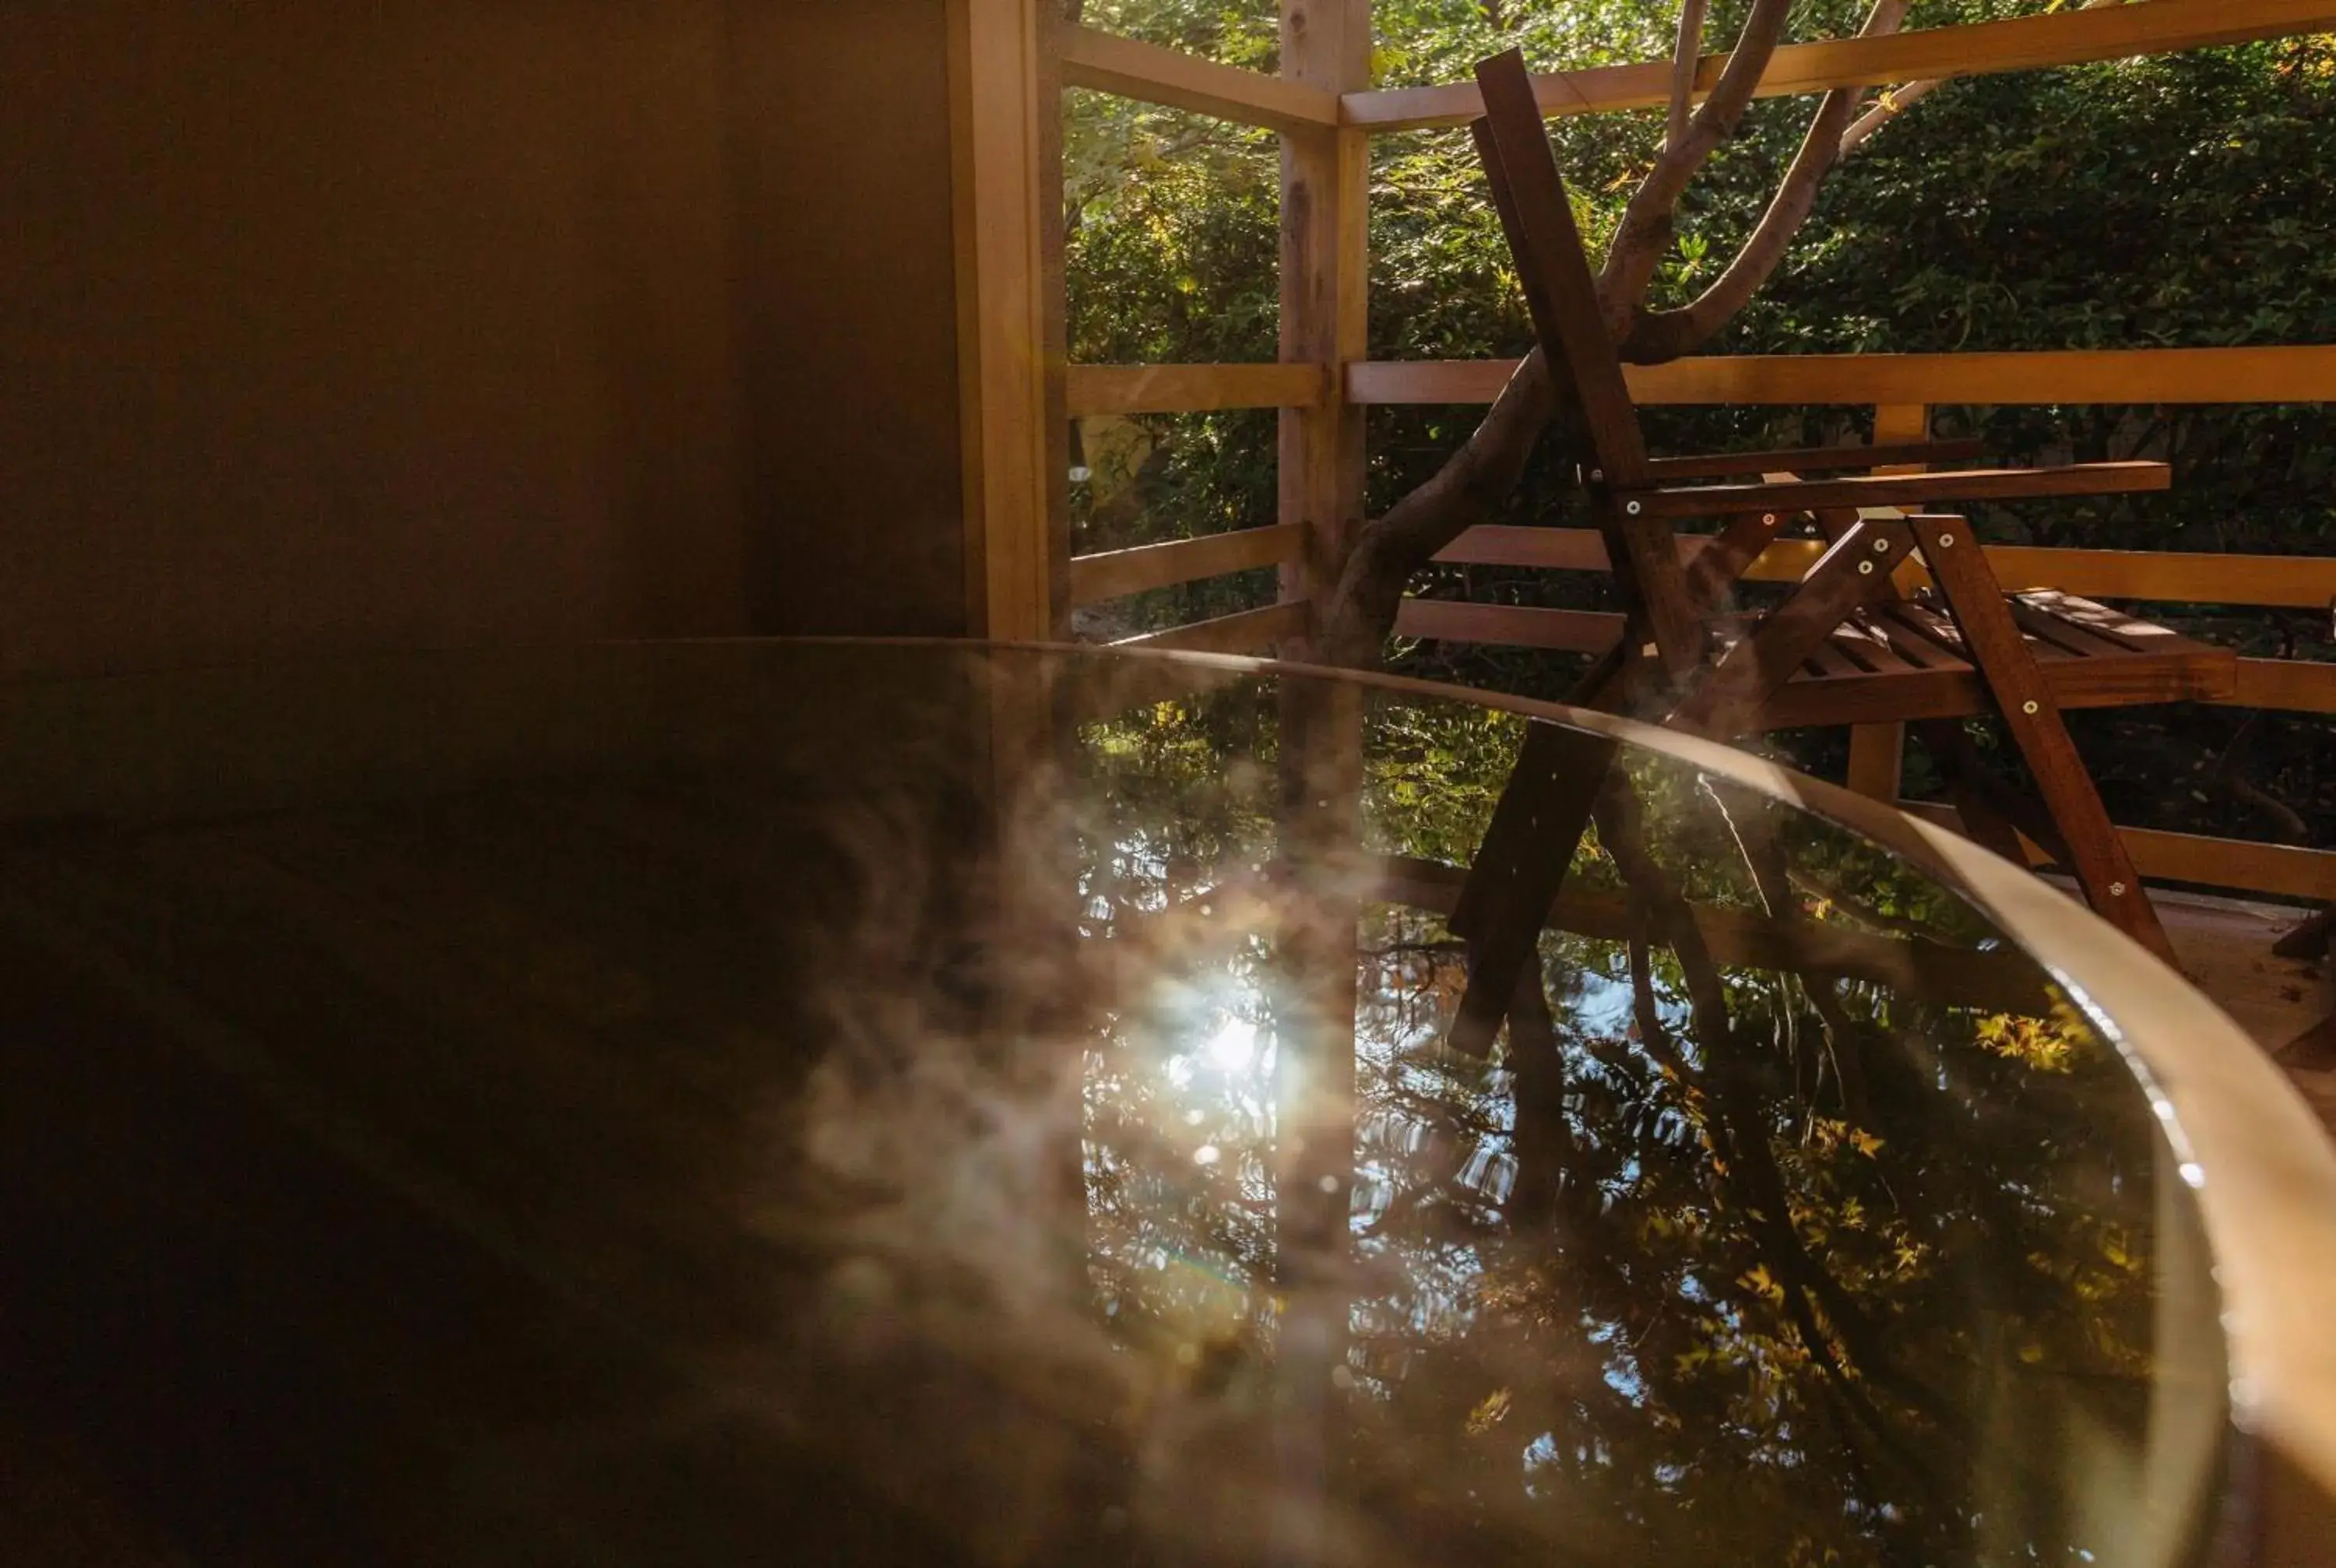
1662 335
1644 235
1896 100
1685 56
1886 108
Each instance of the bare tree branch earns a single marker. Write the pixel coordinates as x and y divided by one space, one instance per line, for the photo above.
1660 335
1884 109
1644 235
1685 56
1657 336
1896 100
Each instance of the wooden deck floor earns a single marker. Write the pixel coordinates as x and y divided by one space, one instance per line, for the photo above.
2226 947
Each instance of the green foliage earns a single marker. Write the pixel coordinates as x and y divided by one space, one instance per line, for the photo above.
1244 33
1171 231
2182 200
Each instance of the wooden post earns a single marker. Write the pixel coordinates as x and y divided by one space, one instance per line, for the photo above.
1877 752
1325 264
1325 257
1005 102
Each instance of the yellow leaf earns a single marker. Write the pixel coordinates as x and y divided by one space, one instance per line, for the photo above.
1487 1415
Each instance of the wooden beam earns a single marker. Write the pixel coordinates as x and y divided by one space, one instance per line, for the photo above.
1959 693
1055 314
1246 631
2176 577
2236 863
999 73
1430 381
2292 581
2014 44
1889 456
1095 389
1558 548
2180 576
1877 760
1325 267
1107 63
1513 625
2287 683
2303 373
1109 575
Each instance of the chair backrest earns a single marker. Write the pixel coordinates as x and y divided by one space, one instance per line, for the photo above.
1528 194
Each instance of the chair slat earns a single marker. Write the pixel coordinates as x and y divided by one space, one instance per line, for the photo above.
2049 627
2116 626
1863 645
1827 661
1908 489
1720 466
1914 636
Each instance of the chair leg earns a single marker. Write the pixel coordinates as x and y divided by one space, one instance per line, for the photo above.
1993 814
1519 867
2310 940
2097 853
1651 579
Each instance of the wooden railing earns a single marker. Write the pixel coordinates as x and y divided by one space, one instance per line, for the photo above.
2016 43
1325 110
1146 71
2226 375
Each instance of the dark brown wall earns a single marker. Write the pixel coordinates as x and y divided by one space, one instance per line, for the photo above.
436 322
851 316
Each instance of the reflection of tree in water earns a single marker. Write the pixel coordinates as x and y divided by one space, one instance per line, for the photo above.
1179 1107
1709 1257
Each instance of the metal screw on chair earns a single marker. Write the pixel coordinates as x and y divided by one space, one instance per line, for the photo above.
1945 540
1597 476
2116 889
2028 708
1865 568
1881 544
1767 519
1632 507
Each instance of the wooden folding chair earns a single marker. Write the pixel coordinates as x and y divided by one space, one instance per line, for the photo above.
1843 648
